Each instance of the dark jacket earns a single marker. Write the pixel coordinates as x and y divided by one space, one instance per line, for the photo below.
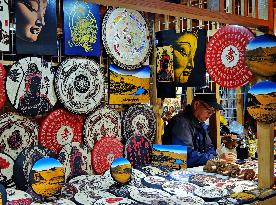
185 129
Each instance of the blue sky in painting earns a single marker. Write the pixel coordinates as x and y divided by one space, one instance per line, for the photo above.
263 41
46 163
142 72
263 88
171 148
119 161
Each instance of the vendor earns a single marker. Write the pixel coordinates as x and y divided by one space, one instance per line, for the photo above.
188 128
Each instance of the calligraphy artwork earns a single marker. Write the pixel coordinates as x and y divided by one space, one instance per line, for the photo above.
81 28
126 37
225 56
129 86
59 128
101 123
16 133
4 26
3 95
6 170
79 85
164 64
31 86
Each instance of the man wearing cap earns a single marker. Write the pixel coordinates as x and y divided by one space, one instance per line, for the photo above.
188 128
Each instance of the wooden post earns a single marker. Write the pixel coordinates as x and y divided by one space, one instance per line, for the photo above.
239 105
265 154
189 95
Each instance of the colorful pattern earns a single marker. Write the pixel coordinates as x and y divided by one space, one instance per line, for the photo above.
3 95
225 56
79 85
164 64
115 201
31 86
81 28
4 26
6 170
120 170
59 128
15 197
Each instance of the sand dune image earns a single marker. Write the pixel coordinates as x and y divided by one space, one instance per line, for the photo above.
171 159
121 173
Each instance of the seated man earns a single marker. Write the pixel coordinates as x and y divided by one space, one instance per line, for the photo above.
188 128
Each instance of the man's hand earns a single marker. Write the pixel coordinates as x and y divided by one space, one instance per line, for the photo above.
228 157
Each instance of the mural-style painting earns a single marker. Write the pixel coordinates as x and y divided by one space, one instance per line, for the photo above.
129 86
81 28
164 63
36 27
4 26
261 55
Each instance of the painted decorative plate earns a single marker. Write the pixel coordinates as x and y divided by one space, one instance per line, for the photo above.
25 161
30 84
240 186
179 188
76 159
79 84
138 150
136 177
225 56
6 169
119 190
210 192
189 200
59 128
115 201
15 197
62 201
89 197
3 95
16 133
126 37
155 182
104 152
101 123
3 195
204 180
139 120
154 169
181 175
68 191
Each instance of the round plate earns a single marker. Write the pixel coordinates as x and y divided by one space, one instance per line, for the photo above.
154 169
240 186
63 202
104 152
15 197
76 160
60 127
3 195
179 188
210 192
119 190
68 191
16 133
79 85
89 197
155 182
225 56
6 169
189 200
25 161
136 177
101 123
204 180
115 201
126 37
181 175
3 95
139 119
30 86
138 150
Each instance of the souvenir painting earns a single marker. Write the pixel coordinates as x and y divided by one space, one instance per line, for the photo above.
31 86
79 85
129 87
261 55
121 170
164 64
47 177
4 26
225 56
104 152
138 150
16 133
15 197
3 95
82 28
59 128
261 100
174 156
6 170
139 120
101 123
3 195
76 160
126 37
36 27
25 161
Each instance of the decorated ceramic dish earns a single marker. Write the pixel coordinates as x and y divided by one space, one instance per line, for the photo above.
59 128
240 186
179 188
153 169
139 120
3 95
115 201
16 133
136 178
101 123
204 180
89 197
31 87
68 191
15 197
155 182
126 37
181 175
6 169
210 192
189 200
119 190
79 84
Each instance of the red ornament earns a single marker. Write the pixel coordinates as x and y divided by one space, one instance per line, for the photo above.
3 95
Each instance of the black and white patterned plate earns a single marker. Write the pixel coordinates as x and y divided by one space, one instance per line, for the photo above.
119 190
210 192
181 175
115 201
6 170
152 169
15 197
136 177
89 197
239 186
155 182
204 180
189 200
179 188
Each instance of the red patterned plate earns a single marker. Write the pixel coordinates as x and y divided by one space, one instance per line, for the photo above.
6 169
225 56
59 128
104 152
3 95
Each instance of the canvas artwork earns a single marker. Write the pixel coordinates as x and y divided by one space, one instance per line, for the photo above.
81 28
164 64
129 86
4 26
174 156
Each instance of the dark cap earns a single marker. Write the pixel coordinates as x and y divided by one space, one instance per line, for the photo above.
207 96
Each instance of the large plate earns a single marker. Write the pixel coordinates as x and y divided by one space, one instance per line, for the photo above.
210 192
6 169
79 85
240 186
15 197
3 95
179 188
30 86
154 169
89 197
126 37
189 200
114 201
155 182
204 180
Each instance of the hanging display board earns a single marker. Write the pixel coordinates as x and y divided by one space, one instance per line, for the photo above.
59 128
6 169
30 86
79 85
126 37
3 95
4 26
225 56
